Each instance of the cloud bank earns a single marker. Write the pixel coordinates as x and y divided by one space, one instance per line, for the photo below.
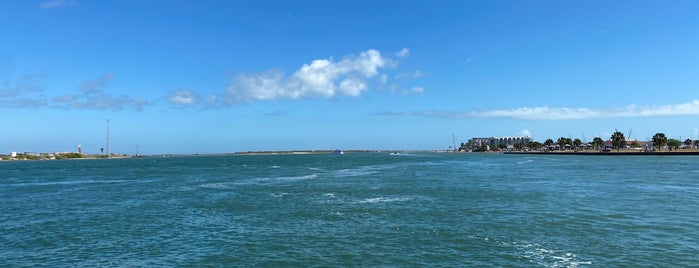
563 113
350 76
24 93
92 96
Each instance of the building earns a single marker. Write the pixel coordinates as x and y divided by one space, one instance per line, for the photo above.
496 141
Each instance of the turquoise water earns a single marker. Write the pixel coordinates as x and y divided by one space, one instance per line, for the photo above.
370 209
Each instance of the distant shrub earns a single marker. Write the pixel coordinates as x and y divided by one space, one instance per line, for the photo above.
69 155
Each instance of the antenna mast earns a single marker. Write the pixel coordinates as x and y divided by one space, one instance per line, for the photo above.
629 137
108 154
453 140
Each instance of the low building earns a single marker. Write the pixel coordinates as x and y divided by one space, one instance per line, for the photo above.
496 141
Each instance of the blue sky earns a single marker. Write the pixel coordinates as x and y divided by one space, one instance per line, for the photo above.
229 76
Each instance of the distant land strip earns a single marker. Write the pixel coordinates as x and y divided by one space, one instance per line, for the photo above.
610 153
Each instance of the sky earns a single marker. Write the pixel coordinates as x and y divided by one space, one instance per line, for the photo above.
235 76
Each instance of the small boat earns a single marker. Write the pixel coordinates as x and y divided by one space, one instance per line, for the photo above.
338 151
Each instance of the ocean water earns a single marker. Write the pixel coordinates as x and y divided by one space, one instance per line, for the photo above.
357 210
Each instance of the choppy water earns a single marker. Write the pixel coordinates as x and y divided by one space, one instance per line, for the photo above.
371 209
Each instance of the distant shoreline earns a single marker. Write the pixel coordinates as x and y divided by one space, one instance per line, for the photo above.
310 152
610 153
289 152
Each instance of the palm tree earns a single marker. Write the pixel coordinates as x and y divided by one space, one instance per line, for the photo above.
659 140
597 142
577 143
548 142
562 141
618 140
688 142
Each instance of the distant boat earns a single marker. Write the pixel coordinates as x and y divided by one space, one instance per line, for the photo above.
338 151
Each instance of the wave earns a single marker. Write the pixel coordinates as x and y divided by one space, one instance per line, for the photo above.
257 181
266 180
363 170
547 257
525 161
49 183
278 195
387 199
353 172
217 185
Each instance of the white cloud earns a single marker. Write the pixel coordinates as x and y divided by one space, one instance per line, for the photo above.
383 78
409 74
352 87
350 76
28 84
183 97
92 96
28 93
564 113
277 113
24 93
94 86
320 78
524 132
403 52
554 113
56 3
99 101
414 90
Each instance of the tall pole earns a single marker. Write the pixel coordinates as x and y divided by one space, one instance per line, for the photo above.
453 140
108 155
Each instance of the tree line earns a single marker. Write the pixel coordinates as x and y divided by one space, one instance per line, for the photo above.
617 141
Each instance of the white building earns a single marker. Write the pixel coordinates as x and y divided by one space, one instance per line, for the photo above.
496 141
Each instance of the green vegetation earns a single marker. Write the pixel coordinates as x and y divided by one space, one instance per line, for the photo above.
597 143
673 143
659 140
26 157
618 140
69 155
536 145
562 141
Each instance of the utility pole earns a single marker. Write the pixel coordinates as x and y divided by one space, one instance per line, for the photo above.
108 154
453 140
